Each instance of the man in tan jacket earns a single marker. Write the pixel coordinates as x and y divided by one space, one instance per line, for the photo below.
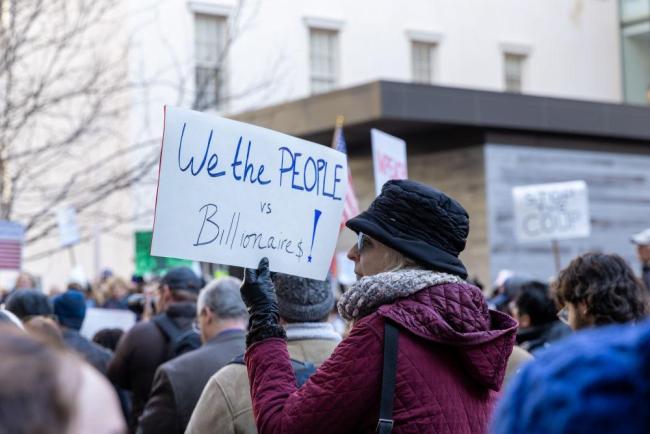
225 404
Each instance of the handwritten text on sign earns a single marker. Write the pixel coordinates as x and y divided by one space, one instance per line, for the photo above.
551 211
388 158
232 193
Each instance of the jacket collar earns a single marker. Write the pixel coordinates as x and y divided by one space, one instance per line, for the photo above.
311 330
185 309
368 293
226 335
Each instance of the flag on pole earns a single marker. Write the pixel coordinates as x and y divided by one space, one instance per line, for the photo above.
351 206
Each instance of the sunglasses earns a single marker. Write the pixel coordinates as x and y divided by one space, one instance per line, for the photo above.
362 240
563 315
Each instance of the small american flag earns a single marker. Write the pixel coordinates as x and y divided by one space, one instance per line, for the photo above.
351 206
11 245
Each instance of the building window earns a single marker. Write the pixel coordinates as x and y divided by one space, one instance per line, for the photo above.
323 59
513 72
635 50
210 36
422 61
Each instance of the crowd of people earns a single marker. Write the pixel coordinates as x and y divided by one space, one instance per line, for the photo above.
424 349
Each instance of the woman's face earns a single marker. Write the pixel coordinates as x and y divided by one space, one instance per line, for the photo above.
370 256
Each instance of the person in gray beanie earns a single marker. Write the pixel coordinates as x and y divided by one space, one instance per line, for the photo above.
304 304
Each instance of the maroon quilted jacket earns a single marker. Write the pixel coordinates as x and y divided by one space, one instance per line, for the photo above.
451 362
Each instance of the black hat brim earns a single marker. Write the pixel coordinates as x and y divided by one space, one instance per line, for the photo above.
424 253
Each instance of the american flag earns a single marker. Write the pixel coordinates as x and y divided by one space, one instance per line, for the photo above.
351 206
11 245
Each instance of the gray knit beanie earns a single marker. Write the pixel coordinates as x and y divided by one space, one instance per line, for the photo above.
301 299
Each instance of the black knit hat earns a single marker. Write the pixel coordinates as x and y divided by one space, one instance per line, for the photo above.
418 221
28 302
182 278
301 299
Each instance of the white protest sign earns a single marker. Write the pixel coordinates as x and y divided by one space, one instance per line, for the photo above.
68 229
388 158
97 319
232 193
553 211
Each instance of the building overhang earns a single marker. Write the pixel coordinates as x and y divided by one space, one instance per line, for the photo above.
409 108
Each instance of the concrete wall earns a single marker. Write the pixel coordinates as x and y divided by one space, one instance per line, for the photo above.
618 183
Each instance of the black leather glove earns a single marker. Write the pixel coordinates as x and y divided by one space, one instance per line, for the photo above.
258 294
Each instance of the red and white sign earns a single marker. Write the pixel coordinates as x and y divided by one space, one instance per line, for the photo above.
388 158
11 245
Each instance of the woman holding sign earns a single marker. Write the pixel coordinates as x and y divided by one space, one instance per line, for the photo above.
424 354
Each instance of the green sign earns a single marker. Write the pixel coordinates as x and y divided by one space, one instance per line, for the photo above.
145 263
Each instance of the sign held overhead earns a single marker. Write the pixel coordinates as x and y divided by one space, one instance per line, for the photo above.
388 158
232 193
554 211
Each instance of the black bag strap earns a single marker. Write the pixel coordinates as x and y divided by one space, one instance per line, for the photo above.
167 326
389 371
302 370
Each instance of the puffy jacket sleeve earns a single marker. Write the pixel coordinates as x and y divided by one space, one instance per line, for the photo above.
341 396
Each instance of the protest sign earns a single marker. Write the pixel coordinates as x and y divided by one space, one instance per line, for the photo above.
388 158
11 245
68 229
146 264
232 193
553 211
97 319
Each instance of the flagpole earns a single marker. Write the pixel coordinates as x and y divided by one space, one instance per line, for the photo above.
338 124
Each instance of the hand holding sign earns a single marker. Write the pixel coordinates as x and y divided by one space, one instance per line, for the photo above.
232 193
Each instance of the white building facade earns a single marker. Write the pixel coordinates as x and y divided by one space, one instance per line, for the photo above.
228 57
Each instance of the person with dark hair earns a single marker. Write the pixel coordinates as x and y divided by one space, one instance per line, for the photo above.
28 303
177 385
108 338
47 390
597 289
70 310
594 382
225 405
146 345
536 313
505 293
445 349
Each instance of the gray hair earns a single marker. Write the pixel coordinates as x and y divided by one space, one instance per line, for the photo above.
222 297
395 261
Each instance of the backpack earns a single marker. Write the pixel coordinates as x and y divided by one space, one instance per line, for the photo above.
302 370
179 341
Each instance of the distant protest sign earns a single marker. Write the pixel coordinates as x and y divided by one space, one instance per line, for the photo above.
146 264
553 211
98 319
232 193
68 229
388 158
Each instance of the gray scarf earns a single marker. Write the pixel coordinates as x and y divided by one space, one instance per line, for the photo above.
368 293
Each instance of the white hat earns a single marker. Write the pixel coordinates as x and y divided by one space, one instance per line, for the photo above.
642 237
